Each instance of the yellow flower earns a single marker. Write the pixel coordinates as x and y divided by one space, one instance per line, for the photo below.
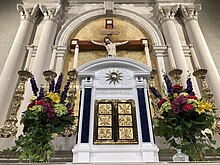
208 106
54 97
199 110
175 95
201 106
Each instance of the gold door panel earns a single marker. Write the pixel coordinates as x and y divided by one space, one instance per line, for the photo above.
115 122
104 120
125 133
125 120
104 133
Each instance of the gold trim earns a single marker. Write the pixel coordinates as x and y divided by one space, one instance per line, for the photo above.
115 123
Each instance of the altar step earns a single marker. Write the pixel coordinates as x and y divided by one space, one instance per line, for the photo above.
66 156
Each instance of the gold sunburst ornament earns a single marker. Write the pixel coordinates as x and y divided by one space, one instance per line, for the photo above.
114 77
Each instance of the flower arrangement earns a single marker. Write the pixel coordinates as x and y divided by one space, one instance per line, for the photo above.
185 121
48 113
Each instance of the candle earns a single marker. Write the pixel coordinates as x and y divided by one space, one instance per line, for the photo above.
170 57
76 53
194 58
30 49
146 50
53 58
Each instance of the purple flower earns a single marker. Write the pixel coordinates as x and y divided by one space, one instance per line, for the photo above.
155 92
168 84
41 94
175 108
52 84
189 88
58 84
180 100
34 86
51 114
64 93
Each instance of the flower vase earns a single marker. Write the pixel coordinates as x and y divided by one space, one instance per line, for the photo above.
180 157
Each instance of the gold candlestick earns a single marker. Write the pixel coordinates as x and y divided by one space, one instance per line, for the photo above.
152 76
10 129
72 88
49 76
216 124
176 75
71 97
206 92
154 100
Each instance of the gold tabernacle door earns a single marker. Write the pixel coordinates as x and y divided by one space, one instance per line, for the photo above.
115 122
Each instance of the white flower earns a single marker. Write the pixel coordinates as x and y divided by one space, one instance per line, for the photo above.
207 131
183 94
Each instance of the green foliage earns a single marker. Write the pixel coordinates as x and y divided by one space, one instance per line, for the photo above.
184 131
41 120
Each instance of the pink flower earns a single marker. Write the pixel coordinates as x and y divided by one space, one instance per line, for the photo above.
192 97
40 102
163 100
177 88
188 107
30 105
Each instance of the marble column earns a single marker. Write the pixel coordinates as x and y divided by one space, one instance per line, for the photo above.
166 15
196 38
44 52
16 57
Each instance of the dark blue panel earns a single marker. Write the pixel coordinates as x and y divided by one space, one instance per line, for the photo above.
80 99
86 116
143 115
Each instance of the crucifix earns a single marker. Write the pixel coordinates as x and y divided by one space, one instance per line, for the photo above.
109 31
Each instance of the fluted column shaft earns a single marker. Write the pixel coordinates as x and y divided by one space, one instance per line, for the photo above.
16 56
44 51
166 17
190 18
